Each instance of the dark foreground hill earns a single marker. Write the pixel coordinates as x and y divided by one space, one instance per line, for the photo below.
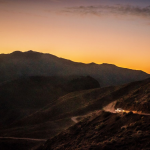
109 131
104 131
19 64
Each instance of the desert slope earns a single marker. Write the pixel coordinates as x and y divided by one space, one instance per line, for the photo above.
104 131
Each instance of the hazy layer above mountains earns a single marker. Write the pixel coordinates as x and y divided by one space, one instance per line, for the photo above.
22 64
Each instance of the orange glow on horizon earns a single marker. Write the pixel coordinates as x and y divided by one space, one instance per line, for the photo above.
77 58
123 41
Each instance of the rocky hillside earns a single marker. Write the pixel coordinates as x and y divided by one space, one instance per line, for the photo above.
136 97
105 131
109 131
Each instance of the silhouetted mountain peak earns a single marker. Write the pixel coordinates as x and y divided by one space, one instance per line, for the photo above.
92 63
27 54
108 65
16 53
31 51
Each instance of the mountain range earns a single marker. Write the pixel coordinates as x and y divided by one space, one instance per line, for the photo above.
23 64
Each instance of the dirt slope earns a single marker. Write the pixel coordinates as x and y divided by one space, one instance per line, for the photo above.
104 131
137 98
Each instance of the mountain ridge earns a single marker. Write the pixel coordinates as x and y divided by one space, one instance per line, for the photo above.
91 63
23 64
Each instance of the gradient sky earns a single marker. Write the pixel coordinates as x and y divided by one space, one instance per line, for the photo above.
100 31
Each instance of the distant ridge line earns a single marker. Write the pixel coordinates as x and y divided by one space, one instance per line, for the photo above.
31 63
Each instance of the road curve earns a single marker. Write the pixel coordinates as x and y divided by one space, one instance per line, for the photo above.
74 119
110 108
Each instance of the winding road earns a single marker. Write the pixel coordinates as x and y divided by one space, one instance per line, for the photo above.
74 119
109 108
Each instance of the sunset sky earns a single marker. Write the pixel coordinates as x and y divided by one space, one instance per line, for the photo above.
101 31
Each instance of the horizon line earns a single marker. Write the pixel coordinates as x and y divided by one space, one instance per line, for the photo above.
92 62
